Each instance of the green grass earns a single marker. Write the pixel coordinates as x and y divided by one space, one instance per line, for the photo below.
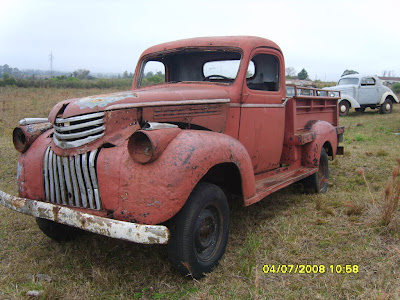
338 228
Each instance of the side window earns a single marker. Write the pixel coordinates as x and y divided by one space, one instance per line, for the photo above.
153 72
364 82
368 81
265 75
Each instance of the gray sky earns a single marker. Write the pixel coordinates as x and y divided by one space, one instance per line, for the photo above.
324 37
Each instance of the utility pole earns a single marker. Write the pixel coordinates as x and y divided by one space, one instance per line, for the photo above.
51 58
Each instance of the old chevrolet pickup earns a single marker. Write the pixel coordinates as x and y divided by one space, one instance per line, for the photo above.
157 164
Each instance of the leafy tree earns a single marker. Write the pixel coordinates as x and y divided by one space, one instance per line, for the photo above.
159 77
290 72
349 72
8 80
81 74
396 88
302 75
149 74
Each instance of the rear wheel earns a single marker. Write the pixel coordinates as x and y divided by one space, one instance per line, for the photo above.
318 182
56 231
344 108
199 232
386 107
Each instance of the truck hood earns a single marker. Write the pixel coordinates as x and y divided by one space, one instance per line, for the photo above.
340 87
346 89
154 96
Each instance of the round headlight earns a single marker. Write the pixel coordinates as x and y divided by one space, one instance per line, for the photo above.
20 140
140 147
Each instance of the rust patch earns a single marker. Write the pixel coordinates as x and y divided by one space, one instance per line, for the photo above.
17 203
56 209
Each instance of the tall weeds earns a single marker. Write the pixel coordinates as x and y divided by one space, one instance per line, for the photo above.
391 196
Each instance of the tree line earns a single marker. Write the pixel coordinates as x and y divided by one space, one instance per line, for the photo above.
80 78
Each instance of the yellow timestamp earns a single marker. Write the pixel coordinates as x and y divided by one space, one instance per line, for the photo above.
310 269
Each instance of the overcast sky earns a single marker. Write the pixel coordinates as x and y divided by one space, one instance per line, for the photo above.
324 37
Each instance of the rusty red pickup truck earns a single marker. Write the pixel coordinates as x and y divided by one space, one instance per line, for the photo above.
158 163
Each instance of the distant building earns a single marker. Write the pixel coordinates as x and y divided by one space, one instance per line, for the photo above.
389 80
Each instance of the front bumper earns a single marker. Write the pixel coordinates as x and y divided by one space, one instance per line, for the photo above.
138 233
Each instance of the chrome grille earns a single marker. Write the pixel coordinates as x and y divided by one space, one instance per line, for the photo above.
71 180
76 131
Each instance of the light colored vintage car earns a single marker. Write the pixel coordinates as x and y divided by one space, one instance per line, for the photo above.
360 91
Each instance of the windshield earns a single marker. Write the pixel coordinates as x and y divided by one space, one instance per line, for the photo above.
345 81
191 65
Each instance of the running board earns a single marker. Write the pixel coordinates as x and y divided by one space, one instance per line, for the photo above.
273 183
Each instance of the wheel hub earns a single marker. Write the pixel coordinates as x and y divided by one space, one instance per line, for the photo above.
207 232
343 108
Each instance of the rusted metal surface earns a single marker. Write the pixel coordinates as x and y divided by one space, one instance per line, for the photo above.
147 145
278 180
30 177
326 137
138 233
154 192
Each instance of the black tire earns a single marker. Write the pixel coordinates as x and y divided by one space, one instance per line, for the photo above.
56 231
344 107
386 107
199 232
318 182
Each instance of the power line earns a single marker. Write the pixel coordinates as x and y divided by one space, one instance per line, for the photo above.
51 58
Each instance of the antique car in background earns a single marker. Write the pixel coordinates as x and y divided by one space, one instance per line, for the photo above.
360 91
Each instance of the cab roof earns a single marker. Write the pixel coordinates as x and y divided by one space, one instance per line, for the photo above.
243 42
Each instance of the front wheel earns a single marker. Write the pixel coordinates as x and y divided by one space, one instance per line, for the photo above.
318 182
56 231
386 107
344 108
199 232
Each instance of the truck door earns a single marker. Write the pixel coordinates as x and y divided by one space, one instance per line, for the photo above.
368 93
262 116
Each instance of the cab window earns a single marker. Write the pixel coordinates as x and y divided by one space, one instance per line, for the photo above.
265 76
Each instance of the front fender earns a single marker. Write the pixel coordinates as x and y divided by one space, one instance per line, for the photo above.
325 132
386 94
353 102
154 192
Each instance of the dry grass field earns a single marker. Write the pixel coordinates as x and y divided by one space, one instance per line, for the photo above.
351 224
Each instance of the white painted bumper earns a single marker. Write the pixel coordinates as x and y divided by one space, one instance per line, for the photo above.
138 233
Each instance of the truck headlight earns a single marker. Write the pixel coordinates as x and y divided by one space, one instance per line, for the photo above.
145 146
24 136
140 147
20 140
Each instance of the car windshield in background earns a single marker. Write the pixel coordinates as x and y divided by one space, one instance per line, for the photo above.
191 65
345 81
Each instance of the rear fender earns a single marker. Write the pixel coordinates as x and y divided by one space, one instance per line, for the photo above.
325 133
390 94
154 192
